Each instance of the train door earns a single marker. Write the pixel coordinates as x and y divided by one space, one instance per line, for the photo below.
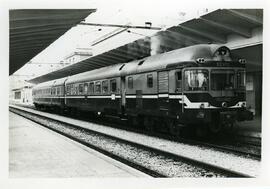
163 91
123 94
179 88
65 92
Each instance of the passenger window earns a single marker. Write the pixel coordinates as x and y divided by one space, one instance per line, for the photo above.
97 87
113 85
105 86
85 88
80 88
149 80
130 82
76 90
178 77
73 89
91 88
68 90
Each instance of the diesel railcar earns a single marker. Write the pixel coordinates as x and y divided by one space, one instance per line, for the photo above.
198 86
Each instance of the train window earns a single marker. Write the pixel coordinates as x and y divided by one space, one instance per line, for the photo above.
196 80
80 88
68 89
178 77
222 79
85 88
105 86
76 89
130 82
73 89
91 88
58 91
149 80
113 85
97 87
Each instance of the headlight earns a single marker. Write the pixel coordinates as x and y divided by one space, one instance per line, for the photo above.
202 106
224 104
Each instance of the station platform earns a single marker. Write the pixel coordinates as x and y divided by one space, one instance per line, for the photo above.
36 152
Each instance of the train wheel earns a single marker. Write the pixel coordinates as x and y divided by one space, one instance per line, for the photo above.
172 127
62 111
215 127
149 124
201 130
73 112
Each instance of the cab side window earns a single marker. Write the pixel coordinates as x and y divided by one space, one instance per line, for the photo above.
149 80
178 79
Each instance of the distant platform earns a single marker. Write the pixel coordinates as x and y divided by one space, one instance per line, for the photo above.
36 152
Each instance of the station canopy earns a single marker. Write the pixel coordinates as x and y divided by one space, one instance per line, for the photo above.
213 27
32 30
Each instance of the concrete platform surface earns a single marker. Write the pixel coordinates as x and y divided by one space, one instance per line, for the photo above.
35 151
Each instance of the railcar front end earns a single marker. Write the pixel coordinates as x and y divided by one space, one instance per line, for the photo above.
213 94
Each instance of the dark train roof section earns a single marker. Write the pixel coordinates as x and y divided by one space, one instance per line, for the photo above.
32 30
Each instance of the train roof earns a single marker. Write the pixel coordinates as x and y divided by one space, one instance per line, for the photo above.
156 62
51 83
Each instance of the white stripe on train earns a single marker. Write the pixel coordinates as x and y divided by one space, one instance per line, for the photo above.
182 100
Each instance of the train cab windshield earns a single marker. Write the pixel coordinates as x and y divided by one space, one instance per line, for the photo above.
222 80
213 79
196 80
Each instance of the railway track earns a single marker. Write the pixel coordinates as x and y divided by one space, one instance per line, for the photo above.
234 148
242 145
153 161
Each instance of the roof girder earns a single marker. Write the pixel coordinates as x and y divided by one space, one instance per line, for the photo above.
234 29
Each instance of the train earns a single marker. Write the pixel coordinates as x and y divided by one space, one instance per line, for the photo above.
199 86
